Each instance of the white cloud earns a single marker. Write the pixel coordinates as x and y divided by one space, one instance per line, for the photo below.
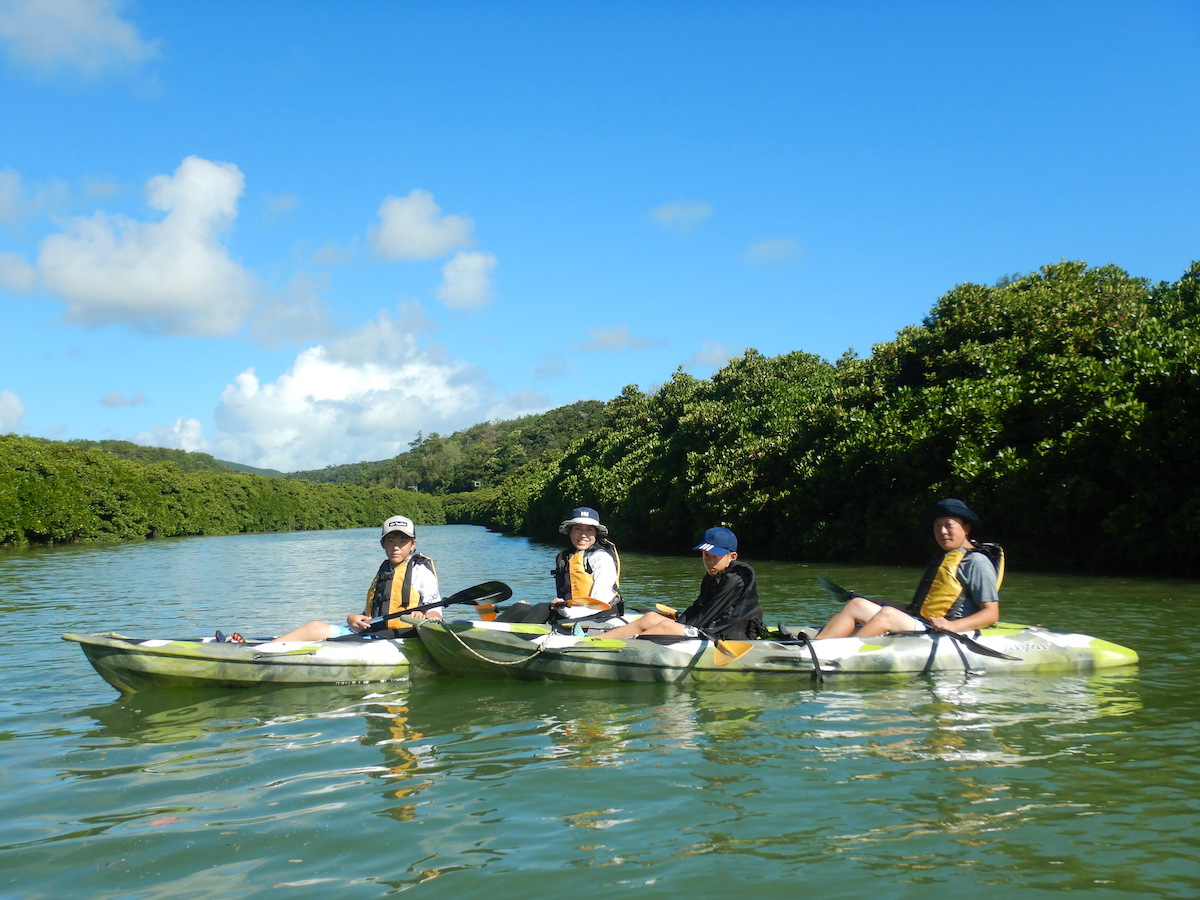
10 197
773 252
278 204
12 411
362 396
466 280
552 367
18 201
84 35
173 276
682 216
712 355
16 275
413 227
295 315
331 255
116 399
186 434
612 340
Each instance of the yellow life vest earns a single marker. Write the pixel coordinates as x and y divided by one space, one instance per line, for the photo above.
940 589
573 573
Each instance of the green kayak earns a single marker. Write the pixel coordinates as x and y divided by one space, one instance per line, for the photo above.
472 648
138 664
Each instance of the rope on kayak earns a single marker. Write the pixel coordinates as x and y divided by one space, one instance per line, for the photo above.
935 637
494 662
817 674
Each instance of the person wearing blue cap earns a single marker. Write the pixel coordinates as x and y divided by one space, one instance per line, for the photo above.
959 591
727 606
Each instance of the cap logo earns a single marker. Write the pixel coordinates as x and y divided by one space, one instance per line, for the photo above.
707 547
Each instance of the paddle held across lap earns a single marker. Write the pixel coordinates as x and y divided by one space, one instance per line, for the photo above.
482 595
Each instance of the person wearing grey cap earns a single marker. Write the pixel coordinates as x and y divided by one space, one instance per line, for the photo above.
959 591
405 579
727 606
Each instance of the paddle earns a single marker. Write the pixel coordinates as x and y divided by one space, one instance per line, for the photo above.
589 602
839 593
731 649
495 591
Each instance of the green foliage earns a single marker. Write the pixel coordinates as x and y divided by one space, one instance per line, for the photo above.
53 492
185 460
695 451
1061 404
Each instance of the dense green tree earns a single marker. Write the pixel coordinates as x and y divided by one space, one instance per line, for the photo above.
1061 404
53 492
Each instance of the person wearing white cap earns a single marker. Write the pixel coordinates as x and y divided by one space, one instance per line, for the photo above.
727 606
959 591
405 579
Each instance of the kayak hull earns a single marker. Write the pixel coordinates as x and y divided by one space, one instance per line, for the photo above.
475 649
137 664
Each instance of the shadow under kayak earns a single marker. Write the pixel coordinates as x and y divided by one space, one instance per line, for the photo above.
138 664
471 649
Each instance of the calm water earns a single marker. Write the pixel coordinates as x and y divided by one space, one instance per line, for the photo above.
931 788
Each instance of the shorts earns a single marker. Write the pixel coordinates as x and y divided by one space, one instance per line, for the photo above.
341 630
691 631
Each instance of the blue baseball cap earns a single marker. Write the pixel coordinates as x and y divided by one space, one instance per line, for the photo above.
718 542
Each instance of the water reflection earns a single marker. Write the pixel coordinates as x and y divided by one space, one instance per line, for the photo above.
1030 783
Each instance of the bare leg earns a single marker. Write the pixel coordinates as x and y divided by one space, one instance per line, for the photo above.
857 611
889 619
650 623
313 631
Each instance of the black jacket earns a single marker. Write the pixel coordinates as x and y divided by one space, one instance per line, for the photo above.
728 604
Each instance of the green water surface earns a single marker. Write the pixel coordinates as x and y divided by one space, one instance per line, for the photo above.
947 787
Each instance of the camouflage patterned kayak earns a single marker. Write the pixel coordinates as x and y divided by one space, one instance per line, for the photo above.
522 651
133 664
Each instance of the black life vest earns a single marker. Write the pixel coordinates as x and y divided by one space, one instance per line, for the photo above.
385 596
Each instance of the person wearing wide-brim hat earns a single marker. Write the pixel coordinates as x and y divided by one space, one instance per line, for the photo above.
727 606
589 567
959 591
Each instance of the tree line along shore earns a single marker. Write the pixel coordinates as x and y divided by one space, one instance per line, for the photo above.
1061 405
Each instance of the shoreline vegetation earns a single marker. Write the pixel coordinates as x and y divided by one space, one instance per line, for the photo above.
1061 404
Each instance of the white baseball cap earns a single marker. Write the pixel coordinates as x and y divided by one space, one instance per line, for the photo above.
402 524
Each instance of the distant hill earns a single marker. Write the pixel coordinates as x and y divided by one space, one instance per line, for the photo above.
187 462
478 457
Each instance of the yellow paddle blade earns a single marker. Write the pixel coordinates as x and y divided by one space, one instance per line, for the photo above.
589 602
666 610
487 612
731 650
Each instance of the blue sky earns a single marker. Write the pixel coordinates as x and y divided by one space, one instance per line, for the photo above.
294 234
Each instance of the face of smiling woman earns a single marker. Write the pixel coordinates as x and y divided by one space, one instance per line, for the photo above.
582 536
